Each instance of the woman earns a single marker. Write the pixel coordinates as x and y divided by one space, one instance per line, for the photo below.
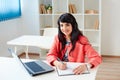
70 45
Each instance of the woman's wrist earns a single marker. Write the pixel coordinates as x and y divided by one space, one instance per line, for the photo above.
55 63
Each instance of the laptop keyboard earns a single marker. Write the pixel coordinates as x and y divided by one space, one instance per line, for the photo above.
34 66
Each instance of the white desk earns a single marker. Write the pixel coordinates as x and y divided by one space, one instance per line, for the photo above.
43 42
11 70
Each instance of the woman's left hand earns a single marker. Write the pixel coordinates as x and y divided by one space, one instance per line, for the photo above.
80 69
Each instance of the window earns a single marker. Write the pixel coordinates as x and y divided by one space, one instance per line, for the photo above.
9 9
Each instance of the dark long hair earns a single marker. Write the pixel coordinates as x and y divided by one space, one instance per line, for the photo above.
68 18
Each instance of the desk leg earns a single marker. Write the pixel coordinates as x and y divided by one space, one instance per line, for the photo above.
27 57
15 49
40 53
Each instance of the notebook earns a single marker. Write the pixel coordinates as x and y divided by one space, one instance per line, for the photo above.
33 67
69 70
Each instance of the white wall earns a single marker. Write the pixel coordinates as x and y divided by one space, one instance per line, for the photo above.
8 30
30 17
111 27
27 24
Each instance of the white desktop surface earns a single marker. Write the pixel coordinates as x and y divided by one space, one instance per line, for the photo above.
11 70
44 42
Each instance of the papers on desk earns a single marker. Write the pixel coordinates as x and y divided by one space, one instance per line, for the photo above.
69 70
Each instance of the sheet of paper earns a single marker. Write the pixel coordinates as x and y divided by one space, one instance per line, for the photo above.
69 70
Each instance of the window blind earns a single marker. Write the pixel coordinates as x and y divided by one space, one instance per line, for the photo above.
9 9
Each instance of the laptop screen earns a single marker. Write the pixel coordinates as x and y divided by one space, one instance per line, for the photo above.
33 67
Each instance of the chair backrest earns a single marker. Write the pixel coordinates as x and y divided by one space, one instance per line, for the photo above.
50 32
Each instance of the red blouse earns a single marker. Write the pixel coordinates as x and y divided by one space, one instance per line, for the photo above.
82 52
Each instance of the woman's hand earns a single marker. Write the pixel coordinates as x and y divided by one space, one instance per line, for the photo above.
60 65
80 69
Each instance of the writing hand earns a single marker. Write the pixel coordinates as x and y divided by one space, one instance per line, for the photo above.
60 65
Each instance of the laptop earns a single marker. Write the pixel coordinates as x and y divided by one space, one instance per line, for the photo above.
34 67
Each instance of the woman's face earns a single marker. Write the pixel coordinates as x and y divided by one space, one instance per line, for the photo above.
66 28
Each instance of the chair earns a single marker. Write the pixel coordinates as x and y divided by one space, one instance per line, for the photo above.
50 32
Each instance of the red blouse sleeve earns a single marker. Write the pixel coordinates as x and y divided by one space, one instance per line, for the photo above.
93 56
53 52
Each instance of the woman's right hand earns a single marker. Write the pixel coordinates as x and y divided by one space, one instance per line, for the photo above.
60 65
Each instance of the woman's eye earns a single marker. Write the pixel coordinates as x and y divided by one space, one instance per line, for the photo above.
61 25
67 24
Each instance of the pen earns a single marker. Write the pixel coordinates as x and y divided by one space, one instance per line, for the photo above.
60 60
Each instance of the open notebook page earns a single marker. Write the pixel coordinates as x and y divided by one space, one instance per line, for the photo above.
69 70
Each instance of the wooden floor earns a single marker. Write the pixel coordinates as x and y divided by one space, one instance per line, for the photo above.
108 70
31 56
